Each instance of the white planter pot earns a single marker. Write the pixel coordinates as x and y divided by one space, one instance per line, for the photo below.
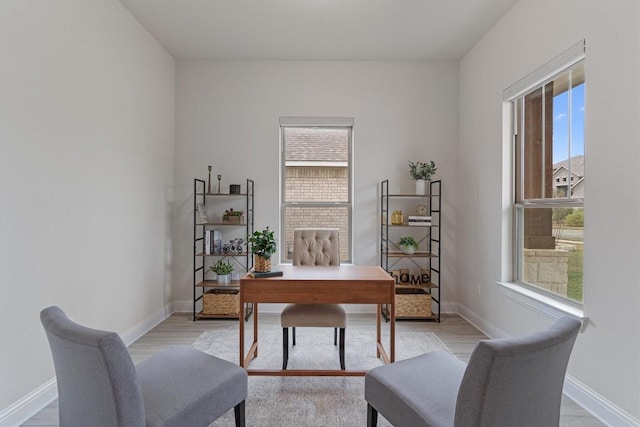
421 186
224 279
409 250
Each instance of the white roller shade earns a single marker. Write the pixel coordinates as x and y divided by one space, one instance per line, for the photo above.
567 58
316 121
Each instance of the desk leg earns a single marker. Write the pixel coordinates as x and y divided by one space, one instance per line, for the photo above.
378 329
245 359
392 333
255 328
241 343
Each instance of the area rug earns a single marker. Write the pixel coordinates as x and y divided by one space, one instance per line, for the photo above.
310 401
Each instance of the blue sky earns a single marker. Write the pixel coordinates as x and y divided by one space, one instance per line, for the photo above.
561 124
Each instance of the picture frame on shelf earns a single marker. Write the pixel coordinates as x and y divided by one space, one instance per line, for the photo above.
202 213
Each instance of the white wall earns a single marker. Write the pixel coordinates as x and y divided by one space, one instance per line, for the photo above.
606 359
227 116
86 173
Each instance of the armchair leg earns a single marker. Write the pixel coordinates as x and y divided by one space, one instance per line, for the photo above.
341 349
372 416
294 335
335 336
239 413
285 347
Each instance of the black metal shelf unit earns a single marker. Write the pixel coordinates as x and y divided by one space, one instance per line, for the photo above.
417 296
241 259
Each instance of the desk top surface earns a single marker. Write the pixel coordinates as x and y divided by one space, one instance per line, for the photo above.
345 272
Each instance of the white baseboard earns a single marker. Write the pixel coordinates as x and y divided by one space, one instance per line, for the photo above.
132 334
29 405
449 308
184 306
597 405
487 328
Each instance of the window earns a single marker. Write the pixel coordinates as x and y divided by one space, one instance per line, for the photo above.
316 179
548 122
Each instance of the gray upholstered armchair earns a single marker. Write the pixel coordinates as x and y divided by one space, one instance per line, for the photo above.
508 382
314 246
98 384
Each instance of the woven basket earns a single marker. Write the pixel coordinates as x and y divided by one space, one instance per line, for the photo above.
221 301
262 265
411 302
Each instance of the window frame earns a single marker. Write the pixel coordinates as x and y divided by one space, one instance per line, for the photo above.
323 123
568 60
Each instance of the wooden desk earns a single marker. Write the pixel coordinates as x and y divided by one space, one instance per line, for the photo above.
345 284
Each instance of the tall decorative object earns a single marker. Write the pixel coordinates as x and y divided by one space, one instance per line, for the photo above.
209 182
219 178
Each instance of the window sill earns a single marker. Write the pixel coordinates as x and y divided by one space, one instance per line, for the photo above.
543 304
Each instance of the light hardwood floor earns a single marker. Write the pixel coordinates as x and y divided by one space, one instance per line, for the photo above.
459 336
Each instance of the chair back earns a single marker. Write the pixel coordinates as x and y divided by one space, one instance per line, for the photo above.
517 381
316 246
97 380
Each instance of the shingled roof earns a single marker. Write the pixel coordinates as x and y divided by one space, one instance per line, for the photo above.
316 144
577 165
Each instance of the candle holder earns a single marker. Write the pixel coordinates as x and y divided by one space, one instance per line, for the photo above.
209 182
219 178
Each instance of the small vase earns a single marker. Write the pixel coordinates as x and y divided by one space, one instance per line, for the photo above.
262 265
224 279
397 218
421 187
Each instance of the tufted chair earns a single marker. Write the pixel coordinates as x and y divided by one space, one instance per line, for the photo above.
314 246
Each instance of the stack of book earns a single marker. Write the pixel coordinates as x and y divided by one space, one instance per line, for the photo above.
212 242
424 221
259 274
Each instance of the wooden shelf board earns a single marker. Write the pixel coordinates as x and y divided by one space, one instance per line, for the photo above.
235 254
433 317
413 255
221 224
429 285
412 196
410 226
235 284
248 312
221 194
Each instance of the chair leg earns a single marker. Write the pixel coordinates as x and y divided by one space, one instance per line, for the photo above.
239 413
285 347
335 336
372 416
294 335
341 349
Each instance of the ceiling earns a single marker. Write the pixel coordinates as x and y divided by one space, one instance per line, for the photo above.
318 29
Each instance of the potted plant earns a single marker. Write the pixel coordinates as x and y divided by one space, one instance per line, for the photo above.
263 245
421 172
223 270
233 217
408 245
